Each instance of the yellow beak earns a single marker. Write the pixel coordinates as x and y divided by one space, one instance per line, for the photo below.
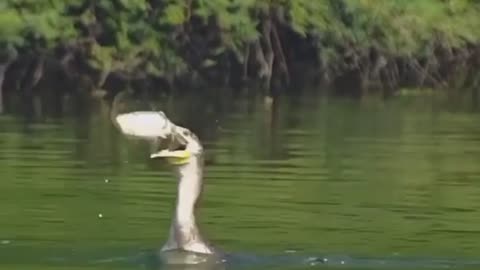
178 157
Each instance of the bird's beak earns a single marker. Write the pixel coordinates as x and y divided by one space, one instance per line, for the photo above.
177 157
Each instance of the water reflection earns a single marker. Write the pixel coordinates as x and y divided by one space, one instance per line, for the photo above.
317 176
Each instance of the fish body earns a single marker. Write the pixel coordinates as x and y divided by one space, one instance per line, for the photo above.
149 125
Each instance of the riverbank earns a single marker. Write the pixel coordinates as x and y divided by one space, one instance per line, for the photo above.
350 48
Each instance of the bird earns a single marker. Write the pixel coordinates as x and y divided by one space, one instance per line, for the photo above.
185 154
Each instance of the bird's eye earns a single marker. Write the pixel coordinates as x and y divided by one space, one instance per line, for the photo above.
186 133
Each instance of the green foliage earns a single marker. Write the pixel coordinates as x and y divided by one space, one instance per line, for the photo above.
11 26
174 13
412 26
135 45
136 35
42 20
307 16
234 18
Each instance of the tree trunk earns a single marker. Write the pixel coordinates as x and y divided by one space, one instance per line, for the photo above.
282 61
261 61
3 69
476 92
38 71
245 63
268 54
33 74
8 56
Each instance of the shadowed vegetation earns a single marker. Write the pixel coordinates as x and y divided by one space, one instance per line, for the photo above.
354 47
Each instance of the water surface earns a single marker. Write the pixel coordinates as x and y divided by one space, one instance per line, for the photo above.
307 183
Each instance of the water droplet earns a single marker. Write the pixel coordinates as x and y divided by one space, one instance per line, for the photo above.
100 215
106 180
342 262
5 242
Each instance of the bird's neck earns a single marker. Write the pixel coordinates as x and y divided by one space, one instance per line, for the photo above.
189 189
184 233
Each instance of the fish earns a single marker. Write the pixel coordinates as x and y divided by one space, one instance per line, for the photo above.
149 125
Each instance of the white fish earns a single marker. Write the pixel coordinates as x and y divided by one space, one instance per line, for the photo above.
145 124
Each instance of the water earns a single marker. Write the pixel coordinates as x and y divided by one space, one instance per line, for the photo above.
313 183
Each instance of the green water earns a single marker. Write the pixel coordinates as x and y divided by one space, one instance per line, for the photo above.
396 180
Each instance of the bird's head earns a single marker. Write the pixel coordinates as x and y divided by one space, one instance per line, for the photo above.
184 149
